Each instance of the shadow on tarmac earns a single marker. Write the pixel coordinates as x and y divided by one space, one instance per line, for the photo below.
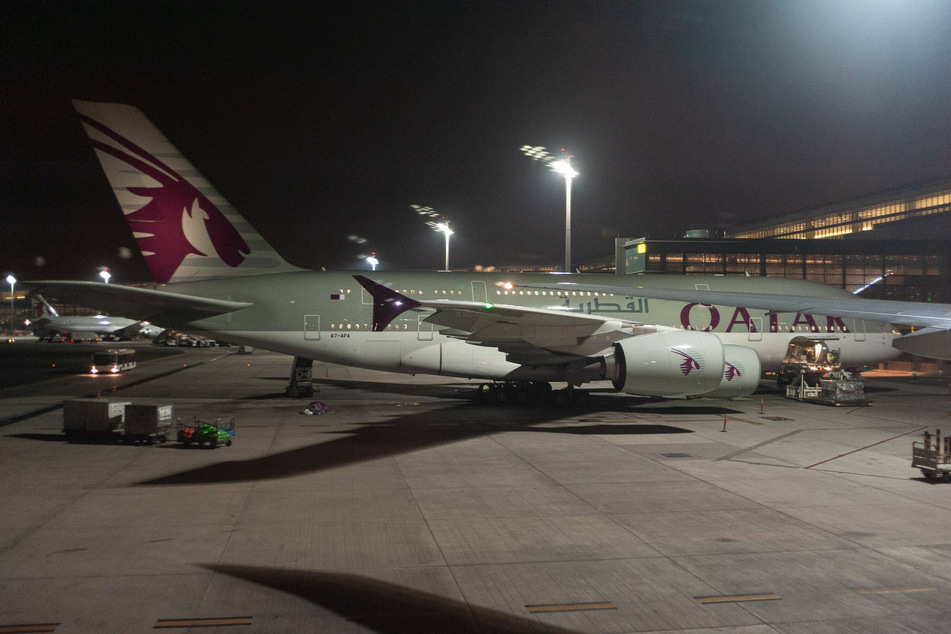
399 435
385 607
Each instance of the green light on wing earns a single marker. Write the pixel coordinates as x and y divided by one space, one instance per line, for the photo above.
489 306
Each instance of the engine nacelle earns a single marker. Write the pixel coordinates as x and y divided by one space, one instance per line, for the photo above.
668 363
741 372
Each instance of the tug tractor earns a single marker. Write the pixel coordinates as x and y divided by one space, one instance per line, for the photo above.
200 433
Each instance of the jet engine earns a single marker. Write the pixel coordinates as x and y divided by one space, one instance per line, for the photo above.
667 363
741 372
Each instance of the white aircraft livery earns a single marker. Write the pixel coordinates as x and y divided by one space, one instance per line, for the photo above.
652 335
47 324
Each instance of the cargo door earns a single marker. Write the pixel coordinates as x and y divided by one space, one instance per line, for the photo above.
383 355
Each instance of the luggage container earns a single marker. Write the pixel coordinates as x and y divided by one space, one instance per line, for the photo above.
93 419
148 422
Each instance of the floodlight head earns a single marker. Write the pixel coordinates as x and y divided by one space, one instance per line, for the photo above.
444 228
536 153
105 275
564 168
11 280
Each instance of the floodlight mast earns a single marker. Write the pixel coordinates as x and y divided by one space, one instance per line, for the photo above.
12 282
563 167
442 227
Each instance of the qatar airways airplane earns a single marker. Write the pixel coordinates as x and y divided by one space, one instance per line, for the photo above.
652 335
47 324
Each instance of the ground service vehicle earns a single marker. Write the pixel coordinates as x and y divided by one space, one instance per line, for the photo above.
113 361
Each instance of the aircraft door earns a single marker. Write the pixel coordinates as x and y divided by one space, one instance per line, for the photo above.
756 328
478 292
424 330
860 330
312 327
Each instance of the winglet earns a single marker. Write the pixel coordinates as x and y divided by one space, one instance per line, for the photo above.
387 303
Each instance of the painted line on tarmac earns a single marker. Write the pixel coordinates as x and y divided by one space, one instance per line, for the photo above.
874 444
569 607
28 627
739 598
894 590
731 456
207 622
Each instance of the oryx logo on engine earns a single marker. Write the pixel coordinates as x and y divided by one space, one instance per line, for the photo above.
688 364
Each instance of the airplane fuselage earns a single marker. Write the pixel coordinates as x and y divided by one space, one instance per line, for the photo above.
327 316
98 325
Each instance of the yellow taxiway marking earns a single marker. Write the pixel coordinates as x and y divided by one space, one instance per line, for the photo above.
570 607
739 597
28 627
888 590
210 622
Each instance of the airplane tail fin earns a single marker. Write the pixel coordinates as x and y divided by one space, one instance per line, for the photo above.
40 307
185 229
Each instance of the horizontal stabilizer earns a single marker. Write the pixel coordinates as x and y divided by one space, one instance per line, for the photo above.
143 304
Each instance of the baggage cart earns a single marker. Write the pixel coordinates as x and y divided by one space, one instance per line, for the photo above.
934 463
200 433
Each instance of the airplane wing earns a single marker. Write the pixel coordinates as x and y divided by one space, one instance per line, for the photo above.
143 304
932 342
529 336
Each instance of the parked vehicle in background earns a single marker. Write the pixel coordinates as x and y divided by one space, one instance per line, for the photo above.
112 361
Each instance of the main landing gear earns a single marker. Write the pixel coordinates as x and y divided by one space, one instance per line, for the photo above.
534 392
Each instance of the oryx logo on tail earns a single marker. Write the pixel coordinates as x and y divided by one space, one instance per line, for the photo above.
688 364
178 220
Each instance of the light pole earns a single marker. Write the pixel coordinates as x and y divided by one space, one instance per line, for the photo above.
11 281
441 227
563 167
444 228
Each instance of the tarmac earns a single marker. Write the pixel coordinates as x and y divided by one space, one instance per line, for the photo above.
411 507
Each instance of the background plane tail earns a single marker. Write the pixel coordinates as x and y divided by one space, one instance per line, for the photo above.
40 308
185 229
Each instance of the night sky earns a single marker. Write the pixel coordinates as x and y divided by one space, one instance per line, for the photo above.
323 120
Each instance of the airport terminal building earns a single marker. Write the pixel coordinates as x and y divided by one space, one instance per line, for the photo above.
891 245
